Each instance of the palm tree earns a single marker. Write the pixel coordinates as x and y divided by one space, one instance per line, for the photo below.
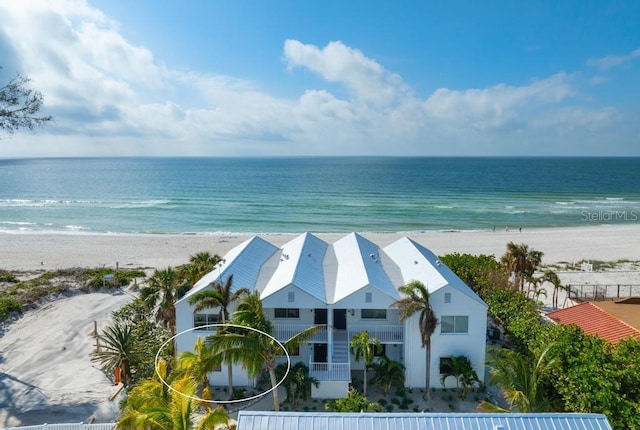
416 300
461 369
364 346
521 378
219 296
298 382
251 348
116 350
554 279
198 364
199 265
387 374
521 262
160 295
151 405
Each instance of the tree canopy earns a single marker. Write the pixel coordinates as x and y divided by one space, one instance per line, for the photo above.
20 105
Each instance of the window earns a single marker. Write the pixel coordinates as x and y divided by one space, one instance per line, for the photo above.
287 313
376 314
380 352
200 320
447 297
368 297
454 324
293 352
445 365
291 296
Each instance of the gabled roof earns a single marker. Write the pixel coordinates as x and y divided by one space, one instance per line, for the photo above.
244 262
262 420
593 320
418 263
300 265
359 266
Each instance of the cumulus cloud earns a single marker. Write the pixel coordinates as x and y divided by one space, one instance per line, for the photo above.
611 61
111 97
363 77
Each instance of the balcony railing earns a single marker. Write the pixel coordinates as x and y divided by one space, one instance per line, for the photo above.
330 371
384 333
284 332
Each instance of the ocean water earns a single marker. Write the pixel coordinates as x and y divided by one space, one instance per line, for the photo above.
327 194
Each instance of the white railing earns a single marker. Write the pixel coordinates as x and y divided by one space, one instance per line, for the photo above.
384 333
330 371
68 426
284 332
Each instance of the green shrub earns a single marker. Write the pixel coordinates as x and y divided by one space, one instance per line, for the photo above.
8 277
8 305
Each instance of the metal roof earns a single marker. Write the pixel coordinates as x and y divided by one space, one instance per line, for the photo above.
359 266
418 263
300 265
263 420
244 262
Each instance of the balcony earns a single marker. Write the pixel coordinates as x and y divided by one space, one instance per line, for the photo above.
330 371
384 333
284 332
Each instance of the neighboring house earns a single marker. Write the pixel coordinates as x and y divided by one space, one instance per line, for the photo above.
592 318
259 420
349 286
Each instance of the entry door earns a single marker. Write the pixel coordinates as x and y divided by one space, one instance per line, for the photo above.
320 316
320 352
340 319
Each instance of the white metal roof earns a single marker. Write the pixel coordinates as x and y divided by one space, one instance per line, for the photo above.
359 266
244 262
263 420
418 263
331 273
300 265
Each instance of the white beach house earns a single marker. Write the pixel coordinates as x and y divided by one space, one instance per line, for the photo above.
348 286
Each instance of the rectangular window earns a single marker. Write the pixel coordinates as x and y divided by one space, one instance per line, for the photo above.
368 297
293 352
291 296
380 352
447 297
201 320
287 313
445 365
374 314
454 324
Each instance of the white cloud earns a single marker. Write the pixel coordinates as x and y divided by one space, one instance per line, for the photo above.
611 61
111 97
364 78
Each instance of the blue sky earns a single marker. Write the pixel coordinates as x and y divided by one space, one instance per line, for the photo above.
247 78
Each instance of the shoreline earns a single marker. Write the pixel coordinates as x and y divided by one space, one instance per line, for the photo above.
50 251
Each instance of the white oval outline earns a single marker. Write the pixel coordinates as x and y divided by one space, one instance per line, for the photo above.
224 402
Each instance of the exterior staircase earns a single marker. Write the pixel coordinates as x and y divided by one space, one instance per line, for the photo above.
340 353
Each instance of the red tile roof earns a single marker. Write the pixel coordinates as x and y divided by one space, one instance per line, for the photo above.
593 320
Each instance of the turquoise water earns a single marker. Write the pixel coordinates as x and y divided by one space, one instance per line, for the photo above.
333 194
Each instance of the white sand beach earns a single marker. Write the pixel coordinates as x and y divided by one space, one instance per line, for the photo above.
45 370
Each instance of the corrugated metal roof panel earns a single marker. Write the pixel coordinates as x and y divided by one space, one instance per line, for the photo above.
300 265
258 420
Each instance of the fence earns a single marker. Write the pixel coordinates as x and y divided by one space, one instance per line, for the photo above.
599 292
77 426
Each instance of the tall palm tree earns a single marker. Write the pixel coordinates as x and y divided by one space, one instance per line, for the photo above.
364 346
199 265
251 348
416 300
553 278
521 261
160 295
151 405
116 350
521 378
198 364
219 296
